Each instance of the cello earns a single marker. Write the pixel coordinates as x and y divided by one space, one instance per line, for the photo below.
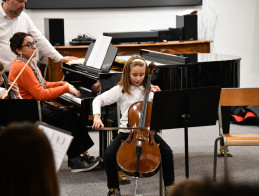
139 155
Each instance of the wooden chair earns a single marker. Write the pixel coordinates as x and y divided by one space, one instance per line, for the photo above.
235 97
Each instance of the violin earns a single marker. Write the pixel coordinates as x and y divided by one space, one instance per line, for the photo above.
10 87
6 83
139 155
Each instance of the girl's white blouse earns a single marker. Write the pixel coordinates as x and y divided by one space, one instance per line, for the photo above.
124 101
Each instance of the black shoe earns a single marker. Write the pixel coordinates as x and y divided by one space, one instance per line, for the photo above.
90 158
123 178
79 164
112 192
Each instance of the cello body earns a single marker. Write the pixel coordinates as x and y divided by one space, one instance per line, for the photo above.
148 161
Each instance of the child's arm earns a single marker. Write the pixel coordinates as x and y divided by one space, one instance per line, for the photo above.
97 122
154 88
107 98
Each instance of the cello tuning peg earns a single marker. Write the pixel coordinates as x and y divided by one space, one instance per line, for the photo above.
152 65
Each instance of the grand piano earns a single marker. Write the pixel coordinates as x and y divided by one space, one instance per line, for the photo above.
171 72
194 70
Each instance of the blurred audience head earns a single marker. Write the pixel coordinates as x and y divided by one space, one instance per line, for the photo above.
206 188
27 165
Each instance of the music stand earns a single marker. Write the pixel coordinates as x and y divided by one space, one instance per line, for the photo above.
59 139
183 109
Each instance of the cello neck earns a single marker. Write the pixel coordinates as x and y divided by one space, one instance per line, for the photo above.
142 121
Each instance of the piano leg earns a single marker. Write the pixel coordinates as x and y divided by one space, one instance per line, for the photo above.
102 143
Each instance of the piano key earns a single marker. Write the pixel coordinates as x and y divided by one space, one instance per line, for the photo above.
71 98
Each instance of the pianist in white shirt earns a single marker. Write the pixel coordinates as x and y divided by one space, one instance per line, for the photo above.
12 20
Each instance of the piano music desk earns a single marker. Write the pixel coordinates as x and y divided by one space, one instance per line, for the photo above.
55 71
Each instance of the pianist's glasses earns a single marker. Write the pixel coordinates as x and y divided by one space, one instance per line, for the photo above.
30 45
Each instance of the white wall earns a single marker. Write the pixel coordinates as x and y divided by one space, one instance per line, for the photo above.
231 24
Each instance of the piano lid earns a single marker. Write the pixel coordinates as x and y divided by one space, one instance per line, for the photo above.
165 59
208 57
181 59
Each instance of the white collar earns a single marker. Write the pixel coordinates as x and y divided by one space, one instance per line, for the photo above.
132 87
2 12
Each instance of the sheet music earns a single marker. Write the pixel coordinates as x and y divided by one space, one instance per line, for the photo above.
99 51
59 142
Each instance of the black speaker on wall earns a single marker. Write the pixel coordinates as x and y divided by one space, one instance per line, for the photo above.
189 25
54 31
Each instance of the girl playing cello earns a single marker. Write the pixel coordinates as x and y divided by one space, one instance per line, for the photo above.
129 90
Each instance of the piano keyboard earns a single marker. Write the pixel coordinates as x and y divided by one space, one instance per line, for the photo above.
71 98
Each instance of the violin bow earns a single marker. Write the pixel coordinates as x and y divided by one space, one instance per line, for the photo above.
6 93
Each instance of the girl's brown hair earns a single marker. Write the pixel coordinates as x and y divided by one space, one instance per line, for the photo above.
125 78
